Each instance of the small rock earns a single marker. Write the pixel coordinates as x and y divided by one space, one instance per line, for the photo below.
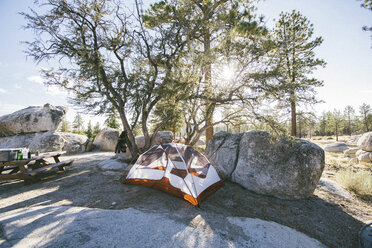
351 151
353 161
112 165
353 140
336 147
333 188
364 156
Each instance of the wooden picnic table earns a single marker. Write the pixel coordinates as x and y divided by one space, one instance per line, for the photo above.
29 169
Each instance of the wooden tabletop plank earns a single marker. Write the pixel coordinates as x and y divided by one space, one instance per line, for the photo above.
26 161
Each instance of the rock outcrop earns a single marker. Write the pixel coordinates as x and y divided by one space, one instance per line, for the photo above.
336 147
282 168
106 139
47 141
35 128
33 119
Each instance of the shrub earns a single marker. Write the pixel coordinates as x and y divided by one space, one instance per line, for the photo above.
360 182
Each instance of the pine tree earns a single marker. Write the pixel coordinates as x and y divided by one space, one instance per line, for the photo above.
78 124
65 128
170 112
112 119
294 59
212 27
89 131
336 121
365 111
349 113
96 130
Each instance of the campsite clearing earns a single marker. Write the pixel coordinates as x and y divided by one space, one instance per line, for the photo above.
330 219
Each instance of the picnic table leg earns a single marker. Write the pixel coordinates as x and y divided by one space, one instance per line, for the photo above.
56 159
26 178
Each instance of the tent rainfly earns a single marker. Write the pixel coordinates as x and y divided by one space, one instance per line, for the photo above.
177 169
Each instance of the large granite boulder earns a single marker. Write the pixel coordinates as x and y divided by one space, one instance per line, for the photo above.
47 142
161 138
107 139
222 151
365 142
75 143
287 169
336 147
32 120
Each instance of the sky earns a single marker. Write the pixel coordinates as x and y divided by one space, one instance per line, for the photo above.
346 49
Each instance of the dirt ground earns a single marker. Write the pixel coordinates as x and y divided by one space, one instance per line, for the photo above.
330 219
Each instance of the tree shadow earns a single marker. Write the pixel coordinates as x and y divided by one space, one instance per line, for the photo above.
84 185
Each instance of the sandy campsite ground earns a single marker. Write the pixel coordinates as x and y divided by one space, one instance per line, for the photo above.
330 219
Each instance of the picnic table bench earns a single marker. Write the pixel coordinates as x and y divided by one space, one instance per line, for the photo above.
29 169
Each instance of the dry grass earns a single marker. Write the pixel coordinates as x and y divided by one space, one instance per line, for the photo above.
359 182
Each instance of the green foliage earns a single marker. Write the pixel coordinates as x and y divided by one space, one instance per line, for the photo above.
368 5
78 125
293 59
349 114
89 131
219 33
335 121
96 130
366 116
169 112
65 127
360 182
112 119
109 58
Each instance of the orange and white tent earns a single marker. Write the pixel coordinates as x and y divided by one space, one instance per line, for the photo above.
177 169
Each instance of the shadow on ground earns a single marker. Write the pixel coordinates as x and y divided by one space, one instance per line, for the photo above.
84 185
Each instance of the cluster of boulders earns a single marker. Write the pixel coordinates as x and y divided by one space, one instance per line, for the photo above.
35 128
280 167
363 152
107 139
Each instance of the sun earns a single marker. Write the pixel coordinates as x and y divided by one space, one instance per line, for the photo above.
227 73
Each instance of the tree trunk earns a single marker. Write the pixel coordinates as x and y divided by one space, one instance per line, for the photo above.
208 83
336 132
293 119
132 146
